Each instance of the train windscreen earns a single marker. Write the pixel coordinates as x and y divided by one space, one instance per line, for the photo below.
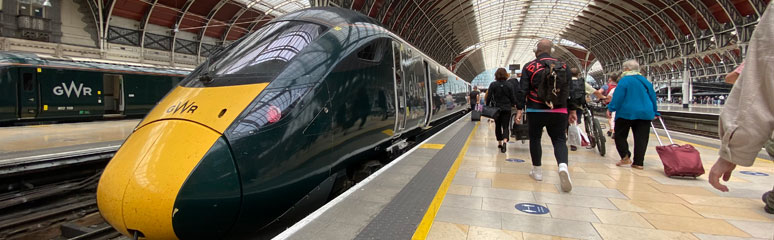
257 58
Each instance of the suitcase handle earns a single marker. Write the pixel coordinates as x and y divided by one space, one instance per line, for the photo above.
665 130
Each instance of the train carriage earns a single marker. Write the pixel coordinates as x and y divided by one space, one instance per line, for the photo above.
38 87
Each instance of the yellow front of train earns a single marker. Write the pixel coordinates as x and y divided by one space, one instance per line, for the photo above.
139 188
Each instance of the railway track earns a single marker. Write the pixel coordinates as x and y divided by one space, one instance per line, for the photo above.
57 202
692 123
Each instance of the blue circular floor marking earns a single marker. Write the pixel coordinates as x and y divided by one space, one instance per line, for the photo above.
532 208
514 160
754 173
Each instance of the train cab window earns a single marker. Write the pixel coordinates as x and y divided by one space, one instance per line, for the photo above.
258 57
28 84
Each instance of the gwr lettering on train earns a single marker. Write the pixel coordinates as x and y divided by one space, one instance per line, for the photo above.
68 90
183 107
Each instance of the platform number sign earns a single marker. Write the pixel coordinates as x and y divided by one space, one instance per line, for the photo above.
532 208
515 160
752 173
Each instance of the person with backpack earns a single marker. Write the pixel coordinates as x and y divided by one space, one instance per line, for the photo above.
500 95
544 92
634 104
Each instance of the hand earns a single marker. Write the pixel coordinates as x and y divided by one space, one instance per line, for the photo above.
721 168
519 116
656 117
573 117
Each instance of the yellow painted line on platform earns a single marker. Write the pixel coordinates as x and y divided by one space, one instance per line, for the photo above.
699 145
427 221
432 146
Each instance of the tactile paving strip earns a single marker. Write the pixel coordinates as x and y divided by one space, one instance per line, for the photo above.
400 218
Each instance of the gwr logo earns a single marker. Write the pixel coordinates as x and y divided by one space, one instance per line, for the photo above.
78 90
182 108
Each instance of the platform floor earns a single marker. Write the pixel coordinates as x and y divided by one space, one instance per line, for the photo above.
607 202
693 108
34 140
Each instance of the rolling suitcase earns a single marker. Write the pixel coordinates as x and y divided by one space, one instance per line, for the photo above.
520 131
475 116
683 161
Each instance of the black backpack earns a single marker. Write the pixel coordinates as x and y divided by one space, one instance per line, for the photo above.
551 78
578 90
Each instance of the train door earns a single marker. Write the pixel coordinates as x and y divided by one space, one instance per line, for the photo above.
28 93
428 93
112 86
400 97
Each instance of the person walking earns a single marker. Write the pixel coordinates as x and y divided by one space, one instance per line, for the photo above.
473 98
612 82
500 95
634 102
747 119
553 117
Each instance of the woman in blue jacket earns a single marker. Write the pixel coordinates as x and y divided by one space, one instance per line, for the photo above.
635 105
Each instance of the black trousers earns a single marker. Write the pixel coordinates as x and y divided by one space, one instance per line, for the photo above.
641 131
556 125
502 126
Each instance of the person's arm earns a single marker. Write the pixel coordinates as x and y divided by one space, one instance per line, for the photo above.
523 88
653 99
618 95
488 97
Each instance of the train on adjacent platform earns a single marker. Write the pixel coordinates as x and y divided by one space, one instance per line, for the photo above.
274 126
36 87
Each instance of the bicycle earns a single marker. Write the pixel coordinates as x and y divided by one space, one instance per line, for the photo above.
593 130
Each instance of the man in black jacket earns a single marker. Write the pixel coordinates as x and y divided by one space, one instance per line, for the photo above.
539 114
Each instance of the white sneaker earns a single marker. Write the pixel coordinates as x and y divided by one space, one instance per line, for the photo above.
536 173
564 176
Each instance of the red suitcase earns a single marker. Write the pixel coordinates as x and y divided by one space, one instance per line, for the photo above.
683 161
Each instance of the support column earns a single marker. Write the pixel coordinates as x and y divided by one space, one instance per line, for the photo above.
687 85
669 90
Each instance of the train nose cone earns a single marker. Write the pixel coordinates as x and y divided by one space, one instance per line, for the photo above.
168 179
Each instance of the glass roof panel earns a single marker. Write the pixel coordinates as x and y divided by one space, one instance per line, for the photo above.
508 30
275 7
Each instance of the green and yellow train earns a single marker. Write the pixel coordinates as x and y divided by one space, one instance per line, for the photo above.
275 125
39 88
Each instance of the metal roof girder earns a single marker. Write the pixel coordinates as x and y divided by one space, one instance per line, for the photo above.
180 17
143 27
232 23
631 51
210 16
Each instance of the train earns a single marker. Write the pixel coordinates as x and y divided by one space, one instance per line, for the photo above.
274 126
39 87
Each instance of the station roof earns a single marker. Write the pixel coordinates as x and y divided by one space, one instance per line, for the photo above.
220 19
471 36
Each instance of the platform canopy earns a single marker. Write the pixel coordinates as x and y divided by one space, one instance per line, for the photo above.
705 37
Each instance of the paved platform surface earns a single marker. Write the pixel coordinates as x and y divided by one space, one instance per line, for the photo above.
607 202
693 108
36 140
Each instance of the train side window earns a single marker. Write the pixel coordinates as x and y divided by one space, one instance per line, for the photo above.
372 52
27 83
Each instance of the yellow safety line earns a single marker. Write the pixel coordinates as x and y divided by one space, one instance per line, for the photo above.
432 210
432 146
699 145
